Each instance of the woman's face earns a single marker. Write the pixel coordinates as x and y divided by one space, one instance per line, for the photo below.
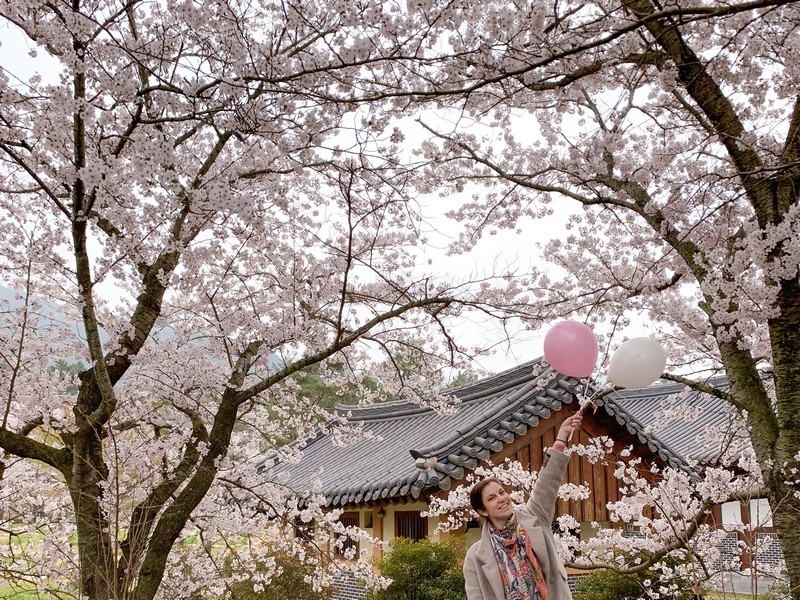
496 503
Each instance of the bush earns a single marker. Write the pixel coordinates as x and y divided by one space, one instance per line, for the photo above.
779 590
423 570
610 585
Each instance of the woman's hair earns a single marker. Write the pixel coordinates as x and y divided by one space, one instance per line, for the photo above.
476 493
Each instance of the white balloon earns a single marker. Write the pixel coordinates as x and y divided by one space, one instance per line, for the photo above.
637 363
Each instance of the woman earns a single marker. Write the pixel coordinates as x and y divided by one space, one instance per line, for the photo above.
516 557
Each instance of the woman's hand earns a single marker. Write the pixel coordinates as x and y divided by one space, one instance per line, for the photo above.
569 425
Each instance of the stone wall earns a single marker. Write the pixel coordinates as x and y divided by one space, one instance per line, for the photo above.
347 588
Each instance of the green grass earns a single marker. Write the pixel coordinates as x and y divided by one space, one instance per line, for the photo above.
19 593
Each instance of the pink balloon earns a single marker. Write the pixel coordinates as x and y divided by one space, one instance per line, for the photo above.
571 348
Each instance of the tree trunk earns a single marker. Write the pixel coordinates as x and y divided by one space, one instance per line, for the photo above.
94 540
785 506
783 478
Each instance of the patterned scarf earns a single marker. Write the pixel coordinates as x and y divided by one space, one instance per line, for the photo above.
519 568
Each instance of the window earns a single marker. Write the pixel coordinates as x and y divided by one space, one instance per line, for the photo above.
760 513
348 519
731 513
408 524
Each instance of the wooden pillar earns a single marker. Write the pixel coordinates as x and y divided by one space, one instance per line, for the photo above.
377 529
747 536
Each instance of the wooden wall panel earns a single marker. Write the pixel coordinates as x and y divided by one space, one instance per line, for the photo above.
599 496
524 456
588 507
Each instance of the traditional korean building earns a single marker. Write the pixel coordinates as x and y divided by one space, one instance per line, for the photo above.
383 484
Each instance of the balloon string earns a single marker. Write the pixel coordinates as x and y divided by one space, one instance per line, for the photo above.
583 402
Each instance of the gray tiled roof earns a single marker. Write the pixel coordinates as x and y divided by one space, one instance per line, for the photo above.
491 413
684 434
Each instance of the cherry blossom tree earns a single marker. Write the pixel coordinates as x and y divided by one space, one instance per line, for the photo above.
192 189
195 206
673 128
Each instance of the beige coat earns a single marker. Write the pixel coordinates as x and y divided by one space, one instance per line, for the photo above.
481 572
